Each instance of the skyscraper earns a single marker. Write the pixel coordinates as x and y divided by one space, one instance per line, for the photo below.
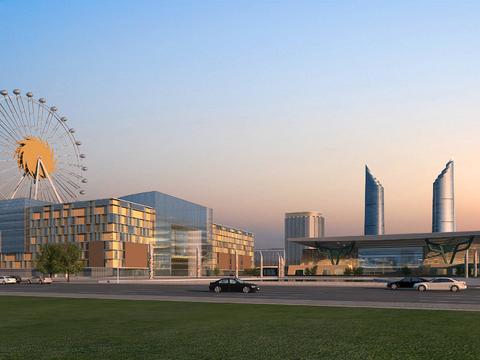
308 224
374 205
443 207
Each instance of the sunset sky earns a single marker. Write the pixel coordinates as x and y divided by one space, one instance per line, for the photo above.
260 108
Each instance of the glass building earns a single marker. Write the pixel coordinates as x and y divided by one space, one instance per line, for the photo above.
183 234
443 207
13 218
374 205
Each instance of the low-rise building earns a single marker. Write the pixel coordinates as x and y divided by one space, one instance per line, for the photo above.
447 253
111 233
232 249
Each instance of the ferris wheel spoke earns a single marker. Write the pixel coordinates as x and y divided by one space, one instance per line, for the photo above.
39 110
45 123
55 129
15 113
22 112
10 123
5 143
78 176
68 181
8 169
26 114
31 112
50 116
64 186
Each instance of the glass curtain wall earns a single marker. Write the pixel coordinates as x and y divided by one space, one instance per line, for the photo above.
173 214
13 223
390 258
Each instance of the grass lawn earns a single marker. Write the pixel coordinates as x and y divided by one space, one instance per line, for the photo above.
48 328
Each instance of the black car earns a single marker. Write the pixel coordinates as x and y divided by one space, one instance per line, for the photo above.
232 284
405 283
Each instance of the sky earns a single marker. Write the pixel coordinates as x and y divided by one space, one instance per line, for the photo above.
257 108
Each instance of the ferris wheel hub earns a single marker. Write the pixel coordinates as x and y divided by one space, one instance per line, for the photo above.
29 151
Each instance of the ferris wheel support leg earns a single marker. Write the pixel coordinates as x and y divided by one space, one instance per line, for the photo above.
36 181
18 186
51 182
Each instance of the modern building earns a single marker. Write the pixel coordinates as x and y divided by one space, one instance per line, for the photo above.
183 234
13 221
111 233
443 207
309 224
442 252
426 254
137 234
374 205
233 249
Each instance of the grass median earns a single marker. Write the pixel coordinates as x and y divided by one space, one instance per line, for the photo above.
53 328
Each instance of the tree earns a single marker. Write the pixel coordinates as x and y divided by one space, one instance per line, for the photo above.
406 271
60 258
48 261
71 259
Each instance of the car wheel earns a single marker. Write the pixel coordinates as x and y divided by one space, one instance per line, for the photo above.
4 283
217 289
29 282
246 289
454 288
394 286
422 288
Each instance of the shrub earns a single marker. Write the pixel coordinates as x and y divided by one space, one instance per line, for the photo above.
252 272
358 271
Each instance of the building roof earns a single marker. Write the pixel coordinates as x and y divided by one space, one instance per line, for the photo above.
386 239
303 213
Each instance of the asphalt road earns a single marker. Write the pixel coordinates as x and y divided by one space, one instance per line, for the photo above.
292 295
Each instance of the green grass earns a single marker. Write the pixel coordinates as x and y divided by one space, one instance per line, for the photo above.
48 328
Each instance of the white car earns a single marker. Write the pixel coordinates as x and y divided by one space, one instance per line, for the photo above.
4 280
441 283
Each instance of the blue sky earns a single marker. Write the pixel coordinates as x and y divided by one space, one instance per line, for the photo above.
260 108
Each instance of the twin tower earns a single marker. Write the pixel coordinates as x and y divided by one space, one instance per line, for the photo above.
443 210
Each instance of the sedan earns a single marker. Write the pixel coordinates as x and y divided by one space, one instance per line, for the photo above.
16 277
233 284
39 280
441 283
4 280
405 283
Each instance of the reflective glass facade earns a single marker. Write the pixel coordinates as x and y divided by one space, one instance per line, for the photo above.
390 257
12 224
181 227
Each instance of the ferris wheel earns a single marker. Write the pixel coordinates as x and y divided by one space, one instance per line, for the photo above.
40 157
